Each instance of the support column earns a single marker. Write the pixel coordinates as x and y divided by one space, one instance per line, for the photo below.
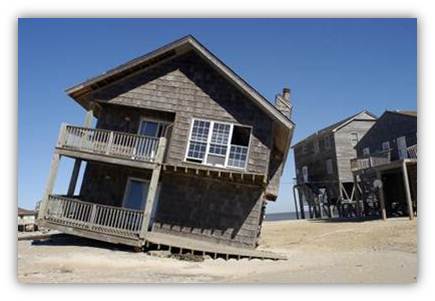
407 190
89 116
50 185
381 196
74 177
152 190
295 201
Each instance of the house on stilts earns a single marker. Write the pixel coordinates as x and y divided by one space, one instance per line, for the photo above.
385 169
324 180
184 154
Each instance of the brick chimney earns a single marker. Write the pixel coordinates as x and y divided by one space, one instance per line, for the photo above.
283 103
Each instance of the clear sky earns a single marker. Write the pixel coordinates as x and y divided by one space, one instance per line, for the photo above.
335 68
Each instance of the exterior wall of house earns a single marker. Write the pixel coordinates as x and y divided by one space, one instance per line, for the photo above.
345 151
389 127
316 161
105 184
190 88
209 209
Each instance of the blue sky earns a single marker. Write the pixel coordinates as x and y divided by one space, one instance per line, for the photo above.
335 68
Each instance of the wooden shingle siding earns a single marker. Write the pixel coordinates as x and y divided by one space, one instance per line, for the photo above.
212 210
344 149
192 89
105 184
389 127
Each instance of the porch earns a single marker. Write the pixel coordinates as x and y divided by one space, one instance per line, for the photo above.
107 146
123 226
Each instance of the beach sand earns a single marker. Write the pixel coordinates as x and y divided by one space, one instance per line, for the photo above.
317 252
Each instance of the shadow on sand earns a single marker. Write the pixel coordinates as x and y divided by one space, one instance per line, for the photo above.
70 240
345 219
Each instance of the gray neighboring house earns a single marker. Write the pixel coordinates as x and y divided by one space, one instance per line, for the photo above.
324 179
26 220
184 154
386 165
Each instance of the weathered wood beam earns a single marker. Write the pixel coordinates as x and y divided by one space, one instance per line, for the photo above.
381 196
153 186
50 184
89 116
74 177
407 190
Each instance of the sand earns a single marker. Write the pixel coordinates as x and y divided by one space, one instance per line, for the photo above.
317 252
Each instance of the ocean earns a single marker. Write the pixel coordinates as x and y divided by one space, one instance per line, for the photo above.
281 216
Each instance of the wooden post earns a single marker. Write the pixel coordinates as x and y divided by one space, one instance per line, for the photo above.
152 190
407 190
295 201
381 196
50 185
74 177
89 116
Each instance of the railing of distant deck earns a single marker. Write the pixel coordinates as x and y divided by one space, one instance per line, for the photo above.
371 161
412 151
106 142
94 217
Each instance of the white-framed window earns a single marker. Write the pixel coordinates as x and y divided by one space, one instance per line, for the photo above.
354 139
385 145
366 151
152 127
329 167
218 143
327 142
316 146
305 173
402 147
304 148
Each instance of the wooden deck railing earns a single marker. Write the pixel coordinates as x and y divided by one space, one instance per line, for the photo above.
94 217
111 143
412 151
370 161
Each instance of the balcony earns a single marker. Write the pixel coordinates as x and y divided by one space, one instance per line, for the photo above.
373 160
105 145
112 224
412 152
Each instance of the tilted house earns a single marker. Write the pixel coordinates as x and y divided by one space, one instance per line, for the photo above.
388 153
324 178
184 153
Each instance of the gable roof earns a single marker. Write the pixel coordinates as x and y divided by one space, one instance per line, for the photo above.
22 211
168 51
405 113
338 125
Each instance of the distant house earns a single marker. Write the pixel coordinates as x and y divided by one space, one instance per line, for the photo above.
184 154
324 178
26 220
388 152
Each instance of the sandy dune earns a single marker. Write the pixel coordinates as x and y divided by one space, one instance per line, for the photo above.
317 251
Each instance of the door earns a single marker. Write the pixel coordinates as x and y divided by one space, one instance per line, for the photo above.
401 147
135 194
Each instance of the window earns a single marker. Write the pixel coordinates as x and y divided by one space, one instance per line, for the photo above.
152 128
305 173
329 167
304 148
354 138
402 147
218 144
366 151
316 146
327 142
386 145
